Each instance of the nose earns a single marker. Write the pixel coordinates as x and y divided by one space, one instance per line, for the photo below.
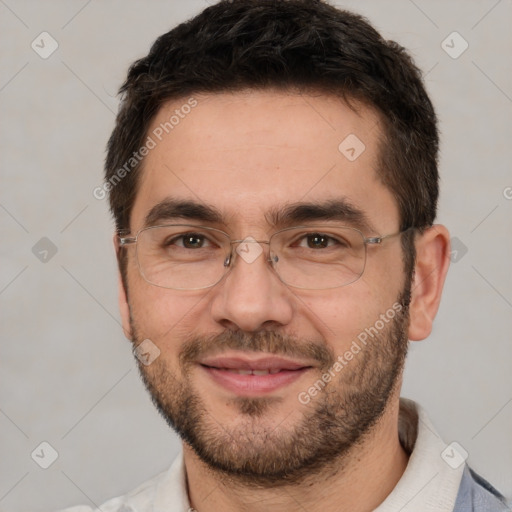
251 296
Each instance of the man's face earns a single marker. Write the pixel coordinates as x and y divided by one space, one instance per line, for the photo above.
246 155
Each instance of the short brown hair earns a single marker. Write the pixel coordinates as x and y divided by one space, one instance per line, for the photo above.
307 45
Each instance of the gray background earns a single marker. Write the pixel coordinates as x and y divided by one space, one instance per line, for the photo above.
67 374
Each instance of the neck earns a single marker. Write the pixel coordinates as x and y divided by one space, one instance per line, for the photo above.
366 476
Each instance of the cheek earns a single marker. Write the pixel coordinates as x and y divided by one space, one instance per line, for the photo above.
161 314
340 315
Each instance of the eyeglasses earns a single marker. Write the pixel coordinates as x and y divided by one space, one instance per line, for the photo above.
189 257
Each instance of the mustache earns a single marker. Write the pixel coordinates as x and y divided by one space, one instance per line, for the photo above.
270 342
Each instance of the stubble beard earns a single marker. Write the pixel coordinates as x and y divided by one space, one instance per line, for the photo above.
258 451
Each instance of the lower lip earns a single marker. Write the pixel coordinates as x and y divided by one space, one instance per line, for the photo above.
253 384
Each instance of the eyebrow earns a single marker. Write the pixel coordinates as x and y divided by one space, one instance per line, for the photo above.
171 209
340 209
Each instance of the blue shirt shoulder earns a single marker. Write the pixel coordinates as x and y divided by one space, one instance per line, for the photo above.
477 495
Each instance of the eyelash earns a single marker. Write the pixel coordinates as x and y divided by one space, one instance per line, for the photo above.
299 239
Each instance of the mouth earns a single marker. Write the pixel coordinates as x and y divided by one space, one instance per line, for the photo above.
251 376
248 372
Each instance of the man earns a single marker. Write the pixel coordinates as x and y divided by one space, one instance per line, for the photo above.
273 178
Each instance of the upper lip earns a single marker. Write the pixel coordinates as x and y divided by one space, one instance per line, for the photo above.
256 363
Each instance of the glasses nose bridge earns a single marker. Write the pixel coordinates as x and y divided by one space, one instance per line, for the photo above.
249 240
229 260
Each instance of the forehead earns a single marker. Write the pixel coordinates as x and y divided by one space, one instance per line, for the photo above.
252 152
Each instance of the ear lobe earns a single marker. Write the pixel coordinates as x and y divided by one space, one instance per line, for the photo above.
431 267
124 307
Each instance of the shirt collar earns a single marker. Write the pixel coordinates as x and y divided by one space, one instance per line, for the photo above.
429 483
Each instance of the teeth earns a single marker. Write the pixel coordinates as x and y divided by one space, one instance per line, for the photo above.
252 372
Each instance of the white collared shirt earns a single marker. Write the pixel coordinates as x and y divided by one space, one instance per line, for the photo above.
430 482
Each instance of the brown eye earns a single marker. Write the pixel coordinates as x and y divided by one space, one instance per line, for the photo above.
317 241
320 241
188 241
193 241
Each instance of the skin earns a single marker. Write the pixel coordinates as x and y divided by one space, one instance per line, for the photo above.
245 153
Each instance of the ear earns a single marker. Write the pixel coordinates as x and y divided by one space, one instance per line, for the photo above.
431 267
124 308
